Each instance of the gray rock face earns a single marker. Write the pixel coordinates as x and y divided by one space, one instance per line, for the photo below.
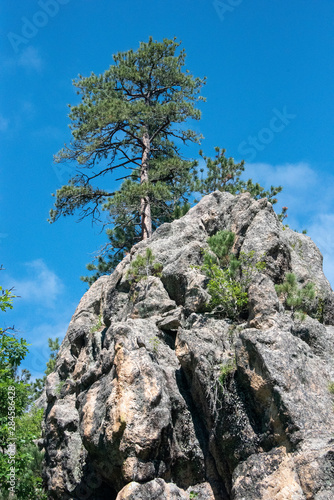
152 398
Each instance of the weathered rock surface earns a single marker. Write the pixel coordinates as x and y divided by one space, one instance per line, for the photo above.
136 407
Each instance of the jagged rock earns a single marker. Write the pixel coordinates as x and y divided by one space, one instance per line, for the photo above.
150 299
263 303
271 476
155 489
158 489
171 320
152 397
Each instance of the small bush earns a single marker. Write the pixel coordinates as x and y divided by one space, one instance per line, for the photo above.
155 342
193 494
297 299
229 276
144 266
225 371
98 325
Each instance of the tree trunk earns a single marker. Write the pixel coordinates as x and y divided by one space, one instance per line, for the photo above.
145 207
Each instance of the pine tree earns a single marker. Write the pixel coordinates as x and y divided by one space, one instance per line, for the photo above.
129 122
223 174
296 298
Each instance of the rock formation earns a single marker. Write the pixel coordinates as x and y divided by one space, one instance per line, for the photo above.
136 408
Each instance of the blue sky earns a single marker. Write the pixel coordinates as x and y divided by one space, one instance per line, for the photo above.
270 100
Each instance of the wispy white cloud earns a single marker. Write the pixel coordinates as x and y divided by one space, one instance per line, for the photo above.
30 59
38 336
290 175
43 310
40 285
308 194
301 186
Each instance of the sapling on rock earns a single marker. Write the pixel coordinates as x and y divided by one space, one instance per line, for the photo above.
229 276
296 298
144 266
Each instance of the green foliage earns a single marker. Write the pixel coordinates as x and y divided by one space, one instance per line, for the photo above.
228 276
6 299
20 425
155 342
54 347
225 370
296 298
283 215
221 244
224 175
98 325
144 266
193 494
180 210
331 387
12 352
28 458
228 297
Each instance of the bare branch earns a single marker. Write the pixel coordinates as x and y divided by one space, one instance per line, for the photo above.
157 132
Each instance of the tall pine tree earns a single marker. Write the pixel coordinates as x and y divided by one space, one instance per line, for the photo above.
130 121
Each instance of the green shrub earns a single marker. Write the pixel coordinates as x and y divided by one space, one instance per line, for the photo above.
296 298
193 494
228 298
221 244
20 424
225 371
229 277
155 342
143 266
98 326
319 315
